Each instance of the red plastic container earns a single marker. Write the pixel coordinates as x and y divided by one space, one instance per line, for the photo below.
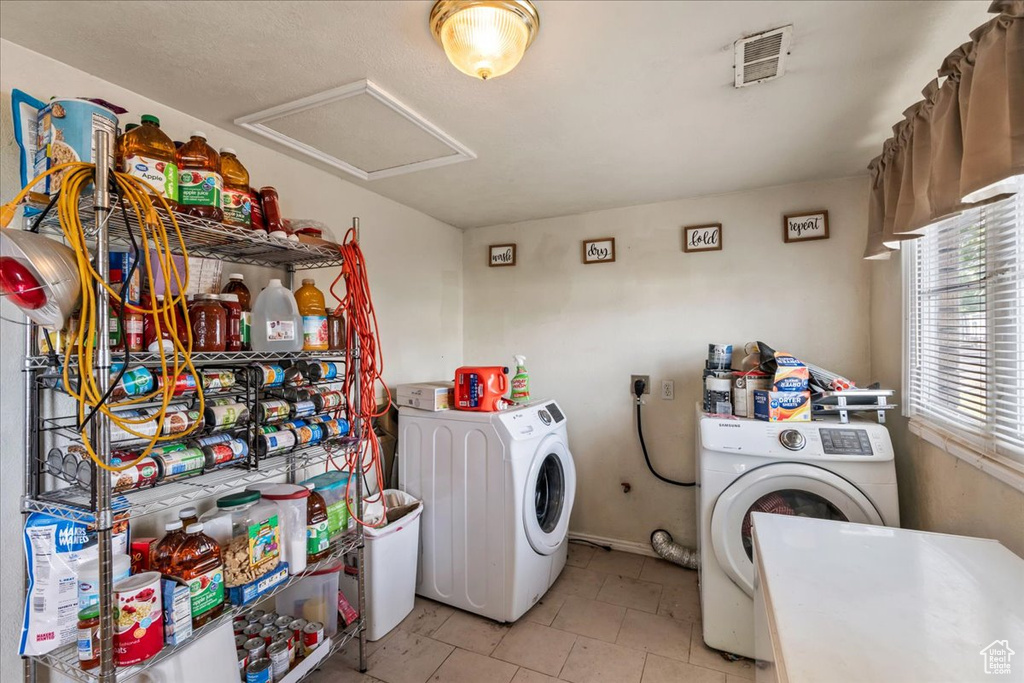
481 388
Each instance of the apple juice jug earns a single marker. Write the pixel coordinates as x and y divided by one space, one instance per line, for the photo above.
236 285
199 181
235 200
314 316
198 563
149 155
163 553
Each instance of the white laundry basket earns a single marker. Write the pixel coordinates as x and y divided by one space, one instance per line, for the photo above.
390 555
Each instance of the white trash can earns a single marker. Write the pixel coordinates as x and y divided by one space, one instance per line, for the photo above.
390 555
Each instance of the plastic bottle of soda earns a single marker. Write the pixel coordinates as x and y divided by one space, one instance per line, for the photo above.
197 561
314 316
236 285
199 181
235 200
149 156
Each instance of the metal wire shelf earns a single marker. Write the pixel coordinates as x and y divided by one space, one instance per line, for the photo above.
65 659
199 359
74 503
210 239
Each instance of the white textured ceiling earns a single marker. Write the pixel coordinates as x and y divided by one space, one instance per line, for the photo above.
616 103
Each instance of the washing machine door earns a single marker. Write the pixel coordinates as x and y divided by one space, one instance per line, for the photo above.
549 494
783 488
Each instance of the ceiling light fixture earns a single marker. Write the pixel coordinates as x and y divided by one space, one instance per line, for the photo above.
484 38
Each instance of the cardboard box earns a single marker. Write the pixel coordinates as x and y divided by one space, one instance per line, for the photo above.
177 603
790 374
141 554
782 406
240 595
120 264
433 396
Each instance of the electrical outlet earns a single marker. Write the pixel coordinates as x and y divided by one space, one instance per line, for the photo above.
645 378
668 389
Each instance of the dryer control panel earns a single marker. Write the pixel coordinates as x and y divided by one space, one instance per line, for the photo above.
820 439
533 420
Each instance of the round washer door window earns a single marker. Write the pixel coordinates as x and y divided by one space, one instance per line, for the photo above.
784 488
550 492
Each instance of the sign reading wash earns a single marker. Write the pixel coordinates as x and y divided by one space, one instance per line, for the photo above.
997 657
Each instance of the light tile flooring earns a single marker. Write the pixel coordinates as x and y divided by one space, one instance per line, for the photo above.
611 617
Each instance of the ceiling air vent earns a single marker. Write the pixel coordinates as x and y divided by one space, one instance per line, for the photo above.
762 56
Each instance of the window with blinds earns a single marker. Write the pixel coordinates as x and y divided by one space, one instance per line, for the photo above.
965 328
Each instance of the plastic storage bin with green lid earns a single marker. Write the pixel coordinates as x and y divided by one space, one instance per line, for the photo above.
332 486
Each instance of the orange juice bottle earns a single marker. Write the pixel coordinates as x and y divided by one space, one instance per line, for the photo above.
149 156
199 181
235 200
314 316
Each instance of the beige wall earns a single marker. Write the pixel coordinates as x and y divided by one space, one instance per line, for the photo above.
585 328
938 491
415 266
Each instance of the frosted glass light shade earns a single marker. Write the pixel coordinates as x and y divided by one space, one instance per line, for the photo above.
484 38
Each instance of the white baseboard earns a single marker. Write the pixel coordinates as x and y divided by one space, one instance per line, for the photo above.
616 544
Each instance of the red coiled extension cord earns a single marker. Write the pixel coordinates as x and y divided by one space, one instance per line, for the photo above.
362 333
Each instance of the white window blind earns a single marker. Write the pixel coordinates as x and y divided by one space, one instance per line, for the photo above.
965 328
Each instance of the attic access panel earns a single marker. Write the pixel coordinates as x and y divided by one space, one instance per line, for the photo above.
361 129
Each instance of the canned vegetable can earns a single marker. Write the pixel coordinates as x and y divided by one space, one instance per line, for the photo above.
259 671
278 654
226 415
275 410
180 463
312 636
256 647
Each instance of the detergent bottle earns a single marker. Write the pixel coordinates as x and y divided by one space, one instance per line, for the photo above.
481 388
521 382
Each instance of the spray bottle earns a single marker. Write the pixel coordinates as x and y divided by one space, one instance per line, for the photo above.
521 382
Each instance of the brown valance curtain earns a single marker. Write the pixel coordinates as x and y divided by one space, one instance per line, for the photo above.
960 146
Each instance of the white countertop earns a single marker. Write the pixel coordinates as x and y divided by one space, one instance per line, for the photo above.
853 602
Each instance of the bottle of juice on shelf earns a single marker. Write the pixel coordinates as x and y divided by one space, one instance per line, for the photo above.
188 516
235 200
318 540
199 181
149 156
164 550
119 145
276 323
236 286
314 316
197 561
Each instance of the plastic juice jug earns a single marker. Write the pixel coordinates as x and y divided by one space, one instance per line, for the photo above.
235 199
481 388
149 155
197 562
314 316
236 286
276 323
318 539
199 181
164 550
119 144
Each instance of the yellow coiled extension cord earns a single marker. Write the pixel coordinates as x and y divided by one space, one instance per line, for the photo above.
152 229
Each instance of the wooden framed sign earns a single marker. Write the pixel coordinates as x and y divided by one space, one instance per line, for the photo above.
702 237
601 250
502 255
805 226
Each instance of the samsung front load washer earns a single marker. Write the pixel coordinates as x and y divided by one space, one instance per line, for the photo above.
819 469
497 492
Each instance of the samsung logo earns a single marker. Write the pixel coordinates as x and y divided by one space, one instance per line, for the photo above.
729 424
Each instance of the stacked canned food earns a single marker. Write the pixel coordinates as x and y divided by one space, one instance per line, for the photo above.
287 436
270 644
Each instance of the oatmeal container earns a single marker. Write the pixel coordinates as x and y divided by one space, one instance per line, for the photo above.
138 619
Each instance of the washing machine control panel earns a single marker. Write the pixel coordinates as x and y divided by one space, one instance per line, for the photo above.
845 441
792 440
532 420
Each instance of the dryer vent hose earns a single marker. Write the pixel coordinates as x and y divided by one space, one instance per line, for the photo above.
668 549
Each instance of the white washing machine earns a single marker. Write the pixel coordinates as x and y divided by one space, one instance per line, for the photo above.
497 492
817 469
